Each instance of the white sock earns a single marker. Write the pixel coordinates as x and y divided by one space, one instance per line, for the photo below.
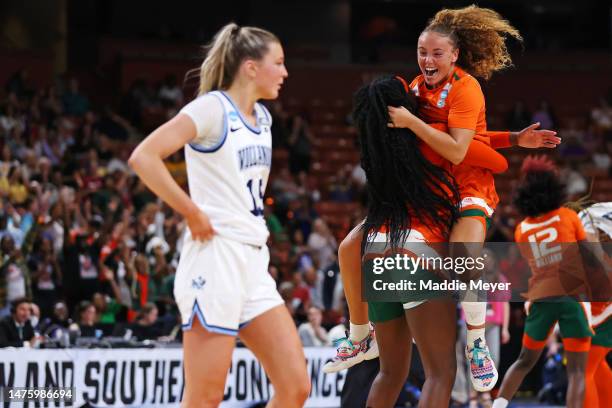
358 332
500 403
475 315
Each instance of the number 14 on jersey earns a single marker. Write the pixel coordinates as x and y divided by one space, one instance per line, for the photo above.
255 187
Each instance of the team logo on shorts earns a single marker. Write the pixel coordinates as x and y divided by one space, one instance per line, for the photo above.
198 283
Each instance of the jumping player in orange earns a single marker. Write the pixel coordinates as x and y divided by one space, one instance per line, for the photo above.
548 238
456 46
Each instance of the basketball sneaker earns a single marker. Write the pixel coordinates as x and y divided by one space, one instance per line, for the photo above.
483 373
349 354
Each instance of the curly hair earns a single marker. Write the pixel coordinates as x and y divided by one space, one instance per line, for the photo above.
480 34
540 189
401 182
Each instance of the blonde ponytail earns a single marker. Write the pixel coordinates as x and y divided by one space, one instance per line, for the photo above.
230 46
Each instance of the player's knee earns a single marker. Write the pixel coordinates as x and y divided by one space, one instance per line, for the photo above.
391 376
442 382
302 390
201 398
443 374
295 393
576 370
527 359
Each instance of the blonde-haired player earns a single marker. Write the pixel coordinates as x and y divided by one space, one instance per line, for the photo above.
222 285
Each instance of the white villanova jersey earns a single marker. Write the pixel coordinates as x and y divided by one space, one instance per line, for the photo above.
227 181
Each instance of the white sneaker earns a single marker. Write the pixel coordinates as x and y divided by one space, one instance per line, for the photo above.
349 354
483 373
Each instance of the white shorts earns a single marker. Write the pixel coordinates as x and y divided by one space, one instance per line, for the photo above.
225 283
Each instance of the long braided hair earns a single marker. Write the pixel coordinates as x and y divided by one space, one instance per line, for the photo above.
401 182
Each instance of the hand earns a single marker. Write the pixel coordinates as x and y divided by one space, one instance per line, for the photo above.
400 117
200 226
505 336
108 274
532 138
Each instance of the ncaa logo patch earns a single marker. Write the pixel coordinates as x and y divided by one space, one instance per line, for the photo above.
233 116
263 122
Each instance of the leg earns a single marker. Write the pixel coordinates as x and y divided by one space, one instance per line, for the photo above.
349 260
471 230
590 386
395 345
207 359
435 339
576 365
603 378
283 361
517 372
576 353
361 343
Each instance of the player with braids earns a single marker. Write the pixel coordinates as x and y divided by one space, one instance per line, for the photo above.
455 46
398 173
410 199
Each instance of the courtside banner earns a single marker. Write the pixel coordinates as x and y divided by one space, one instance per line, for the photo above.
149 377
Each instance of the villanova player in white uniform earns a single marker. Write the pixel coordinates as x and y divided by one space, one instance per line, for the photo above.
222 284
227 169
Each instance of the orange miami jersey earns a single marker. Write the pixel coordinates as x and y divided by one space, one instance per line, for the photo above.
548 243
459 103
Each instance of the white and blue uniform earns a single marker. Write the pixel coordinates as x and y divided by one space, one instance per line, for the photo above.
225 281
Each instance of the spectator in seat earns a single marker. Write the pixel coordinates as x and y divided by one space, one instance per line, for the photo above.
519 117
16 330
75 103
300 145
145 327
545 116
311 333
86 319
321 243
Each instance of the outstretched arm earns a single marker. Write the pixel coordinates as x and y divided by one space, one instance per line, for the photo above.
531 138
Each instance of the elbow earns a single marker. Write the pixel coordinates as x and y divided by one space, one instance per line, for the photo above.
134 160
459 154
503 166
457 158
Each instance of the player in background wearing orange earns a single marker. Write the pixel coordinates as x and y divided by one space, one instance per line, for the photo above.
544 239
453 97
597 222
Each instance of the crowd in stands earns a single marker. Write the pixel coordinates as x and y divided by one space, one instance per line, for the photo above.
87 251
